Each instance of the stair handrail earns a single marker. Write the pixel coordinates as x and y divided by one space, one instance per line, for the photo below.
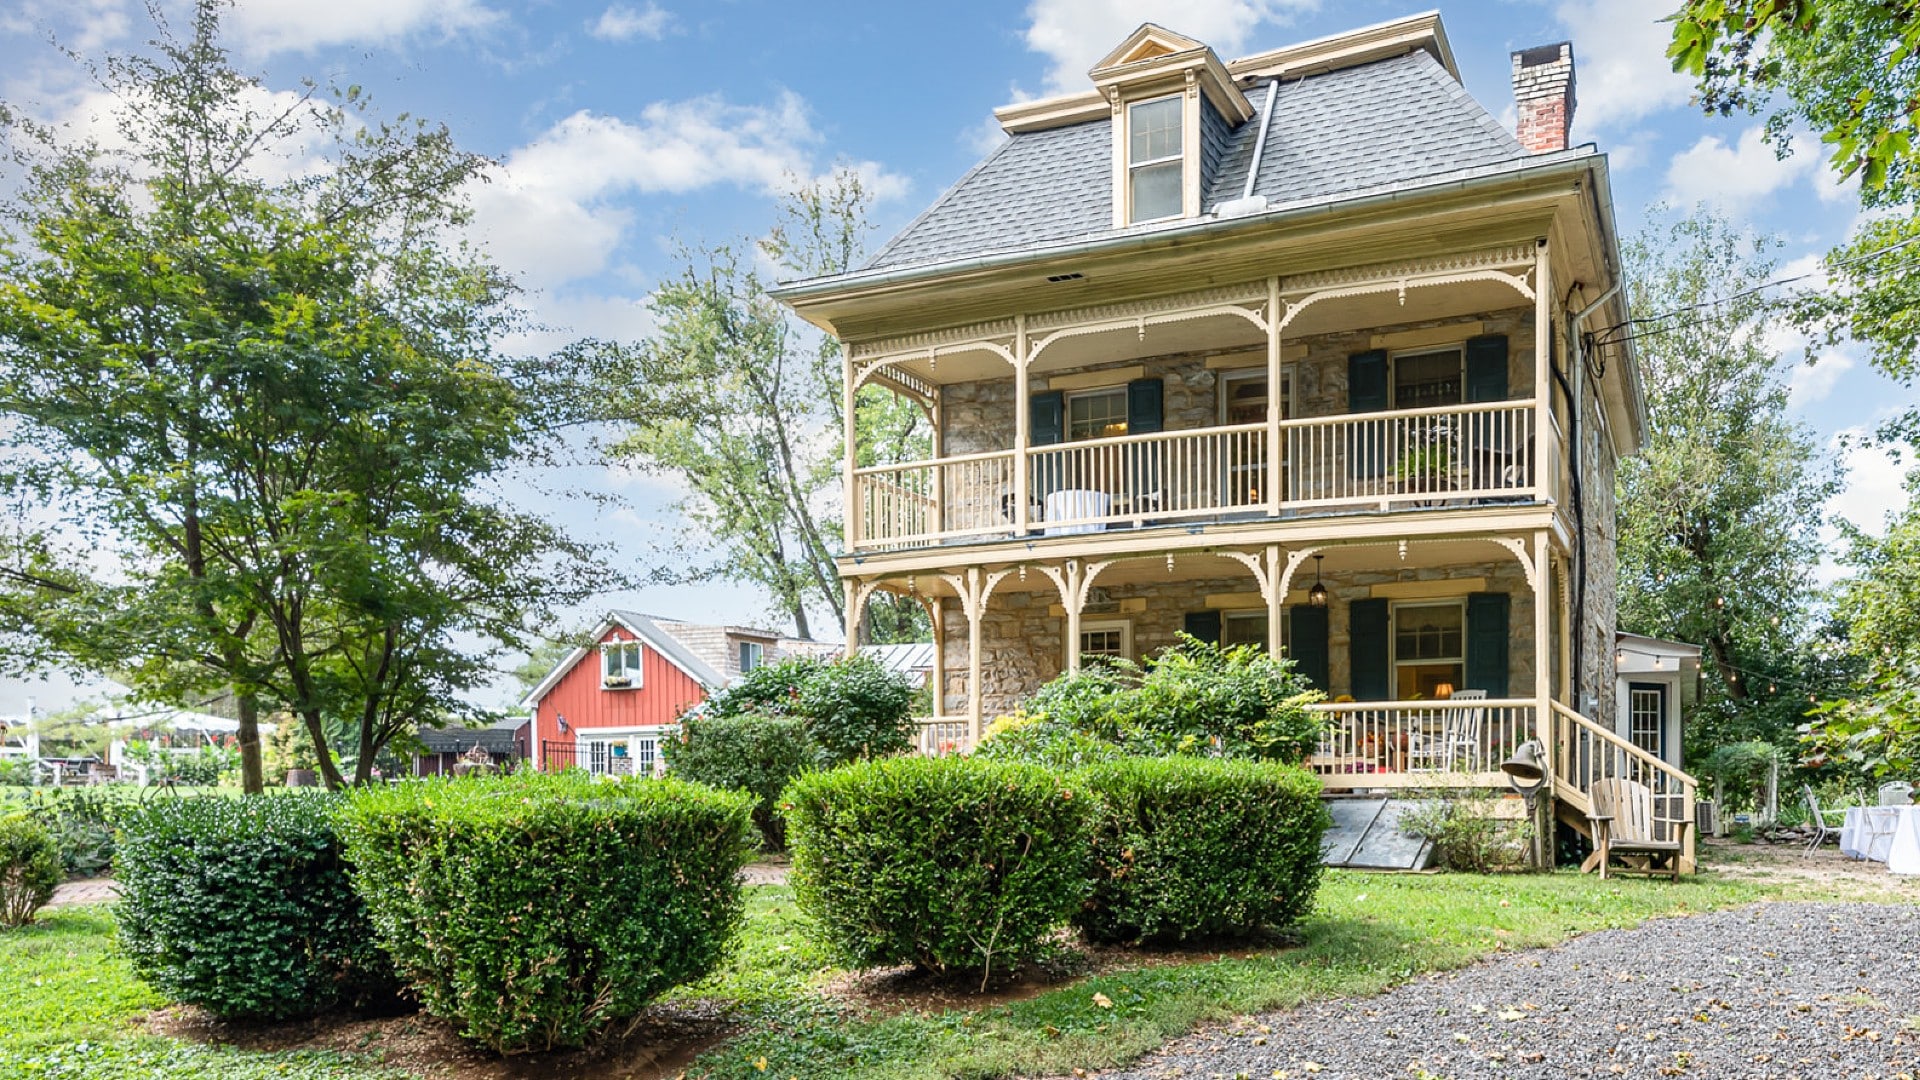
1606 737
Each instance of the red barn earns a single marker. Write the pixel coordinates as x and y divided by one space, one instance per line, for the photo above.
606 706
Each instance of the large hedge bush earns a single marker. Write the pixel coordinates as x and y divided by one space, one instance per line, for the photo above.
759 755
536 911
944 863
853 708
29 869
243 906
1193 698
83 823
1188 847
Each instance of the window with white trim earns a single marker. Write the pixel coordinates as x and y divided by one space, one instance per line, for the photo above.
620 664
1156 163
1244 628
752 655
1097 414
1429 378
1429 649
619 755
1109 639
1647 717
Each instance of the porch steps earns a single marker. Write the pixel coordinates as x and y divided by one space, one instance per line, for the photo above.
1366 835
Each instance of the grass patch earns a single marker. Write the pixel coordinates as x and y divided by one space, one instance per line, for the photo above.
72 1007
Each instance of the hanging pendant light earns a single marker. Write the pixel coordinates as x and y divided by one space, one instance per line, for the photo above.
1317 596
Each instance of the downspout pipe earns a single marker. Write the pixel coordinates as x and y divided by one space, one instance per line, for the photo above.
1576 342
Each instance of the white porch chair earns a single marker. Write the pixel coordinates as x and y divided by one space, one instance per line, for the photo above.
1457 742
1820 819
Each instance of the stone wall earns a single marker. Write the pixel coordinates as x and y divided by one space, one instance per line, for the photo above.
1023 641
1598 668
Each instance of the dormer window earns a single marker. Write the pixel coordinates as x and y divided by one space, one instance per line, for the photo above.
1155 161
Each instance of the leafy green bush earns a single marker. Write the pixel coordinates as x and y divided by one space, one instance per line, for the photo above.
1193 698
16 772
759 755
29 869
1466 832
538 910
1742 769
944 863
1191 847
1042 741
82 822
243 906
854 709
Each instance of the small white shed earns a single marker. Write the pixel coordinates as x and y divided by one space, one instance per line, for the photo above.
1659 682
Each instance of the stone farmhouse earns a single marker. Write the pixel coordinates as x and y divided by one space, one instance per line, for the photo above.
1296 349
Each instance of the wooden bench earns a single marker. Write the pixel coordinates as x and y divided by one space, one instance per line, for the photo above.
1625 823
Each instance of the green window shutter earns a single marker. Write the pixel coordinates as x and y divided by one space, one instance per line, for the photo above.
1487 640
1204 625
1367 641
1146 406
1307 643
1369 449
1367 381
1487 368
1049 418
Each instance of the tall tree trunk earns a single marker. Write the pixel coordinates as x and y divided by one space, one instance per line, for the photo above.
252 773
322 752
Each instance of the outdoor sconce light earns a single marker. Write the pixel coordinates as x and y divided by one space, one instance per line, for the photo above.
1317 596
563 722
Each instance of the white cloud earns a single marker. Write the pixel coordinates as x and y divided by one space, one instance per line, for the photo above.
1814 381
1876 480
269 26
1074 34
81 25
1731 177
556 209
1620 62
984 137
622 23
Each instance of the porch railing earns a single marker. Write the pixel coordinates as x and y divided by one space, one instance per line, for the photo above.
1416 457
1418 743
1585 753
940 736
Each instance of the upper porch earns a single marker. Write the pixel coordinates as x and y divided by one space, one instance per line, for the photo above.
1392 387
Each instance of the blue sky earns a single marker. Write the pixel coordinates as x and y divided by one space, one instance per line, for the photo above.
624 127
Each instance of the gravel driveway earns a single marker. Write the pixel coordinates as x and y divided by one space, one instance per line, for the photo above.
1775 990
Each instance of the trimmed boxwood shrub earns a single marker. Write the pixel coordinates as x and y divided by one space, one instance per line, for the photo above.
535 911
243 906
759 755
29 870
1191 847
944 863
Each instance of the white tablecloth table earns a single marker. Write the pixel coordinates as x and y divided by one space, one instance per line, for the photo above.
1069 503
1888 834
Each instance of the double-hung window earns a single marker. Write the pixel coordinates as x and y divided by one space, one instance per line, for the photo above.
751 656
620 664
1155 159
1106 640
1097 414
1429 649
1244 628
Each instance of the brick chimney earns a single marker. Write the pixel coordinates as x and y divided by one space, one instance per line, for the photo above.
1543 91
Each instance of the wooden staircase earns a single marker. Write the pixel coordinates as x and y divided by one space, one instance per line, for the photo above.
1584 752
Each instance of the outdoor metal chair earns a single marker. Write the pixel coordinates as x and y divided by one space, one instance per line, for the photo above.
1818 818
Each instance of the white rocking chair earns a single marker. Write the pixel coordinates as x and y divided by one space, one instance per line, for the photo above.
1456 744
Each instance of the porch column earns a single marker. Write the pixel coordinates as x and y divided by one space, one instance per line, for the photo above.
937 612
853 615
851 493
1021 427
1274 584
1070 597
1542 640
1276 496
974 604
1546 462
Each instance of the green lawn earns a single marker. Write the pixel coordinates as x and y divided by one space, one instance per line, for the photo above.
71 1006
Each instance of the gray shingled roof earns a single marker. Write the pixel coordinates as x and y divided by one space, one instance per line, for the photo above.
661 638
1390 123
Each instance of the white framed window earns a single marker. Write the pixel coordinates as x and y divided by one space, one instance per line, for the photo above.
619 754
620 665
1156 161
1430 377
1106 639
1429 649
1097 414
1244 400
1244 628
1647 717
752 655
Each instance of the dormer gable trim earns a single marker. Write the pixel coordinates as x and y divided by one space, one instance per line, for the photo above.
1153 61
1382 41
